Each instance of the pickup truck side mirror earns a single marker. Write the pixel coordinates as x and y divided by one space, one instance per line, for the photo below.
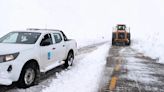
65 39
45 43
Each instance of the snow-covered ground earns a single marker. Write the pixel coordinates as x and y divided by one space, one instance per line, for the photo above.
84 76
152 46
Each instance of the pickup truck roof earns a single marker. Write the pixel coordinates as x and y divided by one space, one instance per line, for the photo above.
44 31
50 30
39 30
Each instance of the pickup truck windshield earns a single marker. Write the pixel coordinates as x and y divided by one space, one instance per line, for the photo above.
20 38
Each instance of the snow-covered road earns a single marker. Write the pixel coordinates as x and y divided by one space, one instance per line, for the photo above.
133 71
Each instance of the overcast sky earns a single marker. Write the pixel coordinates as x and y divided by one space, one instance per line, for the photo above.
81 17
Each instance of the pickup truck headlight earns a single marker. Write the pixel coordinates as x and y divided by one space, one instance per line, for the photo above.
8 57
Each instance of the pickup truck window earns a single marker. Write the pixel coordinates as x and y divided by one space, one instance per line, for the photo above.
47 40
57 37
20 38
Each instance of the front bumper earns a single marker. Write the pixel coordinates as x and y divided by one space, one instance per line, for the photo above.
8 76
5 81
5 76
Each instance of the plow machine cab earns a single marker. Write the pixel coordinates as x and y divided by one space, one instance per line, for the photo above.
121 35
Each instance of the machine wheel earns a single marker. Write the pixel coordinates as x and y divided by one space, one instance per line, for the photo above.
129 39
113 43
113 37
127 44
29 75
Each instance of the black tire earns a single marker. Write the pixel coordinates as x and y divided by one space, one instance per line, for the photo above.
113 37
113 43
69 60
29 76
129 39
128 43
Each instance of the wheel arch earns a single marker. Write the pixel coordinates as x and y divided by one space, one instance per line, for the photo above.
71 51
32 61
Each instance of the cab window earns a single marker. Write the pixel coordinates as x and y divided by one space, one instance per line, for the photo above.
47 40
57 37
121 27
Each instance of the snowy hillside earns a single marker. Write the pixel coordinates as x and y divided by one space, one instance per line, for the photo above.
89 21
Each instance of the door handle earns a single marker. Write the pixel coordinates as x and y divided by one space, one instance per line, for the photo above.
53 48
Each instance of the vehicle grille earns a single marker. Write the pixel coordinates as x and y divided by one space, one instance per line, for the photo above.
121 35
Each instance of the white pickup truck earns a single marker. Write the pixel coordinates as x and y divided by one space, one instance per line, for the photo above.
25 54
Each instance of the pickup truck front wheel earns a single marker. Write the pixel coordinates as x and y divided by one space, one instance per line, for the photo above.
28 76
69 60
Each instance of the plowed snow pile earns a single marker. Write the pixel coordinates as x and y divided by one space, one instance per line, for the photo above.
152 45
84 76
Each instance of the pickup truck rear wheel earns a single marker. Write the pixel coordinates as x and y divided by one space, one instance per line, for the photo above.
28 76
69 60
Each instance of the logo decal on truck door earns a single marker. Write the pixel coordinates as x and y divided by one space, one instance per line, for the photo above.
49 55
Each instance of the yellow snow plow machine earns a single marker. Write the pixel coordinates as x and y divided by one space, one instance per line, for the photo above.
121 35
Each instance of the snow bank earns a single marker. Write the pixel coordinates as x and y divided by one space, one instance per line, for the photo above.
151 45
147 28
84 76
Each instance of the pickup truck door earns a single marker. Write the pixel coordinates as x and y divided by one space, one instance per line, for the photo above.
60 47
46 51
